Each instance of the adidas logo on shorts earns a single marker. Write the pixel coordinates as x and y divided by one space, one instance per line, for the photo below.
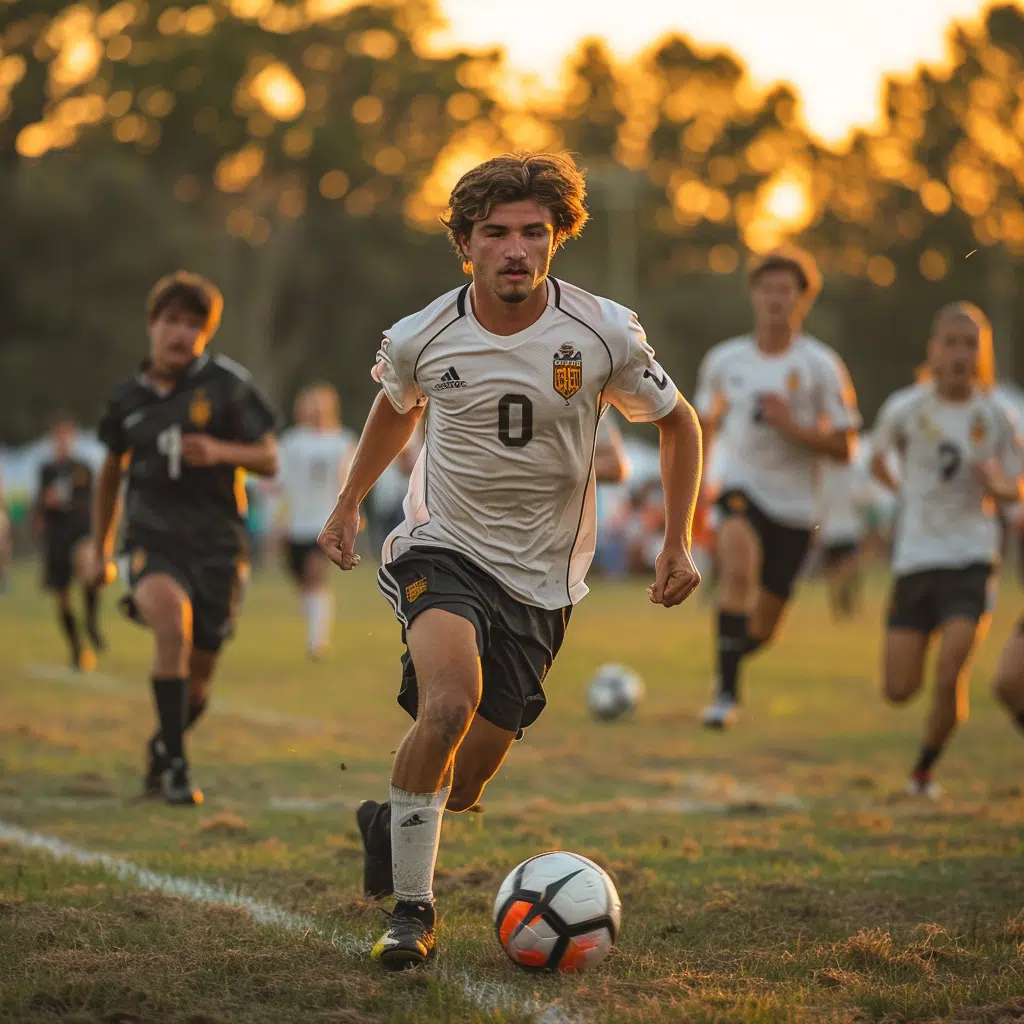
449 379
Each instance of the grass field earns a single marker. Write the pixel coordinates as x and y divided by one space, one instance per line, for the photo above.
774 873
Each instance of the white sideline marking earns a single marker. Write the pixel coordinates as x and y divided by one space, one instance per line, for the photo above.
486 994
219 705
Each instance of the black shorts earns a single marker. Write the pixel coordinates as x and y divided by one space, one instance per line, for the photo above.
836 551
923 601
783 548
298 552
214 586
58 558
517 642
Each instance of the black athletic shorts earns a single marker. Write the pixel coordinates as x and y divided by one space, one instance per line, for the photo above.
783 548
517 642
58 557
298 552
836 551
214 586
923 601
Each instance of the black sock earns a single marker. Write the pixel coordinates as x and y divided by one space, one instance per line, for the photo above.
70 627
195 711
1019 718
754 643
92 595
170 695
929 755
732 646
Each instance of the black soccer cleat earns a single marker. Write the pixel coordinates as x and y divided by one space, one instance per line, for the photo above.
178 790
157 765
409 939
374 822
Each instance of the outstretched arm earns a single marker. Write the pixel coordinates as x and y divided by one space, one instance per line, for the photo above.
676 577
385 434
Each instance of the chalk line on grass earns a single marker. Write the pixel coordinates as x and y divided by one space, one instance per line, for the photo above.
486 994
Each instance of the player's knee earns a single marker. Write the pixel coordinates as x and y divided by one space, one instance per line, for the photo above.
447 718
1004 690
464 795
173 630
897 691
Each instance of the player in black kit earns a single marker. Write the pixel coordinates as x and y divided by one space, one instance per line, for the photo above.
180 431
62 511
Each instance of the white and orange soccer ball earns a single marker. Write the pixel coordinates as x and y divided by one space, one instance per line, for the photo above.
557 912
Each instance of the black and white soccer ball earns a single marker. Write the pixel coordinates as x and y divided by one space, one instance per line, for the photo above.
614 692
557 912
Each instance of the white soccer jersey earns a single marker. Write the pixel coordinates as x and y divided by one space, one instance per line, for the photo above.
311 461
778 475
945 519
505 476
845 495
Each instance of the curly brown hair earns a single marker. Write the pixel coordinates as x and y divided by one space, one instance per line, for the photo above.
190 291
552 179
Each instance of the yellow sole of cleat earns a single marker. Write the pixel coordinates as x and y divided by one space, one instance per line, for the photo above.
395 958
87 661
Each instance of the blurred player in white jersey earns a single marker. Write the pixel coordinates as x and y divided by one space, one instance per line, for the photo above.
314 459
780 401
499 524
845 498
959 457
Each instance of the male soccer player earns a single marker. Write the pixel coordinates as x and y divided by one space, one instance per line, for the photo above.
845 498
62 514
5 538
314 456
958 459
184 426
517 368
780 401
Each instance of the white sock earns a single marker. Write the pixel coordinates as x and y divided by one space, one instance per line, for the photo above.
415 834
307 614
321 614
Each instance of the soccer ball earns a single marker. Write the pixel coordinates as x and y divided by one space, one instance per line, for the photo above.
613 692
557 912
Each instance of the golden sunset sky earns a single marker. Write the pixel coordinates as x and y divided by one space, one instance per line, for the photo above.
835 53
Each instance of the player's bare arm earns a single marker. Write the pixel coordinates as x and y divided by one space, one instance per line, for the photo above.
106 503
999 484
259 457
676 577
833 444
385 435
882 473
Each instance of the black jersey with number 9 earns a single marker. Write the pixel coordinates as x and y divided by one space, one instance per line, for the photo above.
197 509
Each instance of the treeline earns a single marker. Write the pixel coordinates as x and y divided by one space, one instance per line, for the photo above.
301 161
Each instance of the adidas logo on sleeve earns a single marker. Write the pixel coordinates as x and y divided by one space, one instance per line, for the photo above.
449 379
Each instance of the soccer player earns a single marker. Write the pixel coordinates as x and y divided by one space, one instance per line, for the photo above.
314 456
958 458
845 498
181 429
517 368
780 401
62 514
5 538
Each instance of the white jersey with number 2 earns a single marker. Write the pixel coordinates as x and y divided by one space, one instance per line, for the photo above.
780 476
505 477
945 519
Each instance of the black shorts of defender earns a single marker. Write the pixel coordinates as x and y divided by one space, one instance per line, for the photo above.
296 555
59 558
783 548
837 551
214 587
517 642
924 601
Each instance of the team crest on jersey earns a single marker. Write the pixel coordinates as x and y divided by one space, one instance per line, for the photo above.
200 410
416 589
736 503
138 562
793 381
568 371
979 429
80 476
